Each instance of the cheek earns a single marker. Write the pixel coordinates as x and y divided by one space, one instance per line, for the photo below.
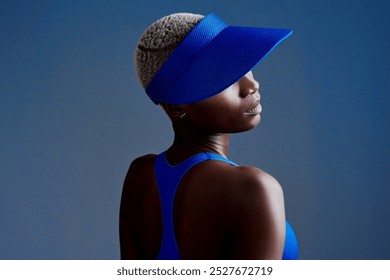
231 119
211 118
222 117
224 121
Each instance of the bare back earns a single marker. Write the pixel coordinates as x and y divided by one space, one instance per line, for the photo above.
220 212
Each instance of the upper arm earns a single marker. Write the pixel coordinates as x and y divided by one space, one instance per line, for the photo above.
128 243
127 234
258 222
131 209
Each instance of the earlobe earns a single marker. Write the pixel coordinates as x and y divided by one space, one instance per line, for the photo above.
183 115
175 111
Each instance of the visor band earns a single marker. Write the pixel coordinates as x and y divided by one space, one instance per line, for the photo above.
187 51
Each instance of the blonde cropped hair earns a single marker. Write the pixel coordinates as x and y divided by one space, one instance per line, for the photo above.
158 42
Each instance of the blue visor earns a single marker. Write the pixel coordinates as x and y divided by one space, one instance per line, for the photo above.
212 57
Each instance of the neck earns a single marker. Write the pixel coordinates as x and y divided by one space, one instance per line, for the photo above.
188 142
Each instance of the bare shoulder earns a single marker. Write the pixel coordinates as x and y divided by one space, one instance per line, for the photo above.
253 209
256 190
141 162
250 203
245 188
138 175
139 168
258 217
254 180
139 203
247 182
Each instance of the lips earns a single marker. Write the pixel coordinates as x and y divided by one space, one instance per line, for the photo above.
255 109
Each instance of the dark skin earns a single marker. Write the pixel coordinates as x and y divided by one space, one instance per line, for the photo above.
220 211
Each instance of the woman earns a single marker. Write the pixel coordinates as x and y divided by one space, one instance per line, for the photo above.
191 201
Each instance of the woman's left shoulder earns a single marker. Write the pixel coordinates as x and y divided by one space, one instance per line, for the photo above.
249 177
241 181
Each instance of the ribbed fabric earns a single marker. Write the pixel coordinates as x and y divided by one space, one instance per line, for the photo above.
168 178
212 57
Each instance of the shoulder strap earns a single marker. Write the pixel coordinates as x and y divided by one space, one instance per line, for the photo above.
212 156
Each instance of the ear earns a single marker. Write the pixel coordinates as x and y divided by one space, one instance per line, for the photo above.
174 111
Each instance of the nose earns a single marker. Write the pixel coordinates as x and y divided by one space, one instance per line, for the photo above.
248 84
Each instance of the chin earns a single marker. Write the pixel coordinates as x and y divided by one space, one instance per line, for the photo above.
254 122
249 125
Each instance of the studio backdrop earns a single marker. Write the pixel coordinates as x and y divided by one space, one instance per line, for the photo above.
73 116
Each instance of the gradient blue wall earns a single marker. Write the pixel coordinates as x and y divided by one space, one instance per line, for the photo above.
73 116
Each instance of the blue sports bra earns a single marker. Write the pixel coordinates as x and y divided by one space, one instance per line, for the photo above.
168 178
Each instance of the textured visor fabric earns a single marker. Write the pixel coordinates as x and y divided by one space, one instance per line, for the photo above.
212 57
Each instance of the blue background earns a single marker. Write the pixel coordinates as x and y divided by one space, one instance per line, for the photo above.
73 116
